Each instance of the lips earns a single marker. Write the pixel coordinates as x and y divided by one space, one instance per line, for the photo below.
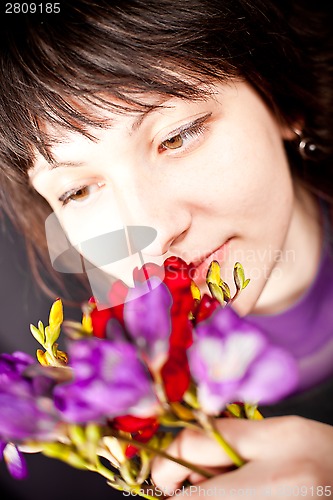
201 266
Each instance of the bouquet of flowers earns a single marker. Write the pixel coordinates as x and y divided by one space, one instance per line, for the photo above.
163 359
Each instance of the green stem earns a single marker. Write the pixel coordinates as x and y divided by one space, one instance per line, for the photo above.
103 471
110 476
237 460
55 361
232 300
163 454
208 423
232 454
184 424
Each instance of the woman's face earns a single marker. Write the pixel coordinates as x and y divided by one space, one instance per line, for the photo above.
210 176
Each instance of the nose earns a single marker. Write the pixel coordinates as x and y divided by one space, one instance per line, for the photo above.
142 203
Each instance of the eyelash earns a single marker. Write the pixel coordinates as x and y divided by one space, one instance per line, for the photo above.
189 131
67 197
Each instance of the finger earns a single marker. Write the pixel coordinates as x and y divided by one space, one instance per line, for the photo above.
195 478
194 447
252 440
259 480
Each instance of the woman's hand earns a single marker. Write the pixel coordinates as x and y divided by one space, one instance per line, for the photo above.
286 457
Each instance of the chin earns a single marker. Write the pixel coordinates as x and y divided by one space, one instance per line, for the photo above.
243 307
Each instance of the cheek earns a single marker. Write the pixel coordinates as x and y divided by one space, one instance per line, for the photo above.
248 171
102 240
251 196
265 197
92 231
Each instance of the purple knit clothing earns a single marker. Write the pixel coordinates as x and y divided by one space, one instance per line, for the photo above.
306 328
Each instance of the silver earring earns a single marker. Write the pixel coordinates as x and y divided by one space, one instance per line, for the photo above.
306 147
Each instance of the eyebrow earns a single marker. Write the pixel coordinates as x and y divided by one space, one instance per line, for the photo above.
137 123
51 166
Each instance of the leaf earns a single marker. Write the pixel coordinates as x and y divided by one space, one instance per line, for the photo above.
39 336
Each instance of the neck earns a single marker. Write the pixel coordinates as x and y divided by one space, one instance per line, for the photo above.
300 257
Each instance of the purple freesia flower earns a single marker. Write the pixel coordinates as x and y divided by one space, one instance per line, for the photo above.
109 380
26 406
232 360
27 410
14 363
147 318
14 459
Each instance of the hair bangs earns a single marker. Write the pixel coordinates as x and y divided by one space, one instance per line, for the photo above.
64 79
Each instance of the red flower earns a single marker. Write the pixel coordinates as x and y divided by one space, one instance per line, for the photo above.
175 273
101 317
176 276
176 374
141 429
205 308
147 271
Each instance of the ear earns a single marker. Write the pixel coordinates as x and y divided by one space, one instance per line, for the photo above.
290 132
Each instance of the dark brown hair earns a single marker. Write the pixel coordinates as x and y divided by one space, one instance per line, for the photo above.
52 64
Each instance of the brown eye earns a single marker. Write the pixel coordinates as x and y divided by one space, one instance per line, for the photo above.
75 195
173 143
80 193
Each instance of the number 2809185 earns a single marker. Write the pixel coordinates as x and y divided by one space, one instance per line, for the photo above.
32 8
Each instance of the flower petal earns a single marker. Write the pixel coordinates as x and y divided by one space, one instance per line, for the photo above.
176 374
272 377
147 317
15 461
109 380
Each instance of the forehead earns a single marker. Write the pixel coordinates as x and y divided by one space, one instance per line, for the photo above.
96 116
87 120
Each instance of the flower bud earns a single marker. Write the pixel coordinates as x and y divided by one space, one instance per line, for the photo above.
56 316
